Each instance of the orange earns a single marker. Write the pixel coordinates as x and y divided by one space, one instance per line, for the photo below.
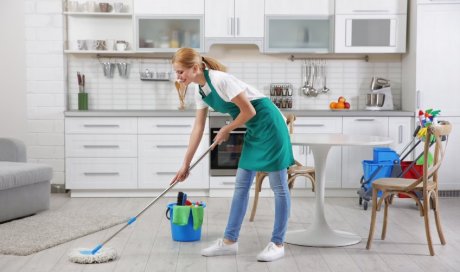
332 105
340 105
342 99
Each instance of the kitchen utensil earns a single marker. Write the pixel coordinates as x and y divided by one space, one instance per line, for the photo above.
311 90
323 72
304 88
181 91
123 68
378 83
108 69
375 99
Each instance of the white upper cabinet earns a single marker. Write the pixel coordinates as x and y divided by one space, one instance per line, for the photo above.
374 26
298 26
234 21
170 7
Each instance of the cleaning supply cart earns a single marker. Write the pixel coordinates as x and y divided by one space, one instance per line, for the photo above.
386 163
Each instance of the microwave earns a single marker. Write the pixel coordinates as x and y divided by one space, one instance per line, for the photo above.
370 26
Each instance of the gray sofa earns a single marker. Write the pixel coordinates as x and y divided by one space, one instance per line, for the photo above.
24 187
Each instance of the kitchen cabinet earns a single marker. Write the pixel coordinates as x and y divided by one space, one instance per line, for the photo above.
352 157
374 26
91 31
308 125
298 26
431 68
302 34
106 153
163 142
101 153
160 33
401 130
234 21
430 71
448 177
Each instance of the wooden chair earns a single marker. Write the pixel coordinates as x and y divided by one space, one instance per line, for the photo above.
295 171
425 186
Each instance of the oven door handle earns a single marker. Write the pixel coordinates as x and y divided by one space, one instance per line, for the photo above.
231 132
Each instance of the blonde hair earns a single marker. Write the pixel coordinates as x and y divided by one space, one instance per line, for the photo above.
187 57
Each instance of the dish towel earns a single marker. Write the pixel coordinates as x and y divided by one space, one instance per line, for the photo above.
181 215
197 213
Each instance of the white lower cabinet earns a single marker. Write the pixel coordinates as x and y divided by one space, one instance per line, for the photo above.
448 176
101 173
101 153
304 155
352 157
160 157
400 129
130 153
146 152
163 142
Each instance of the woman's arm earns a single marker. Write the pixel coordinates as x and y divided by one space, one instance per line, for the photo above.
194 142
247 111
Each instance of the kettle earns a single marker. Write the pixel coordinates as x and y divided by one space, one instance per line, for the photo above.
379 83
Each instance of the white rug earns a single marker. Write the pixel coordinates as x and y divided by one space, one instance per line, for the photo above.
50 228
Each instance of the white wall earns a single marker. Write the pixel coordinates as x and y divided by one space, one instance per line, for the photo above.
13 104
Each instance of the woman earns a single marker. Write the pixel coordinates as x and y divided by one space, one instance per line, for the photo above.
267 146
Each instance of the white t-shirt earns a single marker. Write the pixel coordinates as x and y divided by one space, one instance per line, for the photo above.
227 87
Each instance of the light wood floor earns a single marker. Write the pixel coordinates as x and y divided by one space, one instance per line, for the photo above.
147 244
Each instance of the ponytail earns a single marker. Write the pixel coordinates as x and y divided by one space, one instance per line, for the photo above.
213 64
188 57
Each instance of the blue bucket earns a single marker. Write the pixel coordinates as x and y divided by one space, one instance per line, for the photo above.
183 233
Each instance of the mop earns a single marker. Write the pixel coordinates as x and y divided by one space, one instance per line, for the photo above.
102 255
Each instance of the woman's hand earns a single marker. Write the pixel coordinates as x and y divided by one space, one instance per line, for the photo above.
222 135
181 175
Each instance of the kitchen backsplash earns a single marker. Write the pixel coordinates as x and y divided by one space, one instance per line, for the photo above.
348 78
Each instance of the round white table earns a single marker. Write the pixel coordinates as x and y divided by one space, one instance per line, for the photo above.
320 233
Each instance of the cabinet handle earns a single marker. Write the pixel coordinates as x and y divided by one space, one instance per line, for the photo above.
172 146
101 146
166 173
100 125
237 26
365 120
232 132
232 25
309 125
371 10
228 182
101 173
418 96
400 134
173 126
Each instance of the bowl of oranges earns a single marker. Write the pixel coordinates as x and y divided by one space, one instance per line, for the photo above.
340 104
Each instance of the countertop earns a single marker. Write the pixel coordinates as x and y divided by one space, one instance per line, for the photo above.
191 113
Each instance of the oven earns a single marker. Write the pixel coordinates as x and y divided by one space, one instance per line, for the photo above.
225 157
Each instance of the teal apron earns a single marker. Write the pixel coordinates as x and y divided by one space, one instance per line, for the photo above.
267 145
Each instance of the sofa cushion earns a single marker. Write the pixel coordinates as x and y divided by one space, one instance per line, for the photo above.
15 174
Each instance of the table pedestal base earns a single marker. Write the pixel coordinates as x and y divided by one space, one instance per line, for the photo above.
325 237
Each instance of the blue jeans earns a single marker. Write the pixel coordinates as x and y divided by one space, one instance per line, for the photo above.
279 185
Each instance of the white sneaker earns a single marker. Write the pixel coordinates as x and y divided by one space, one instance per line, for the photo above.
219 248
271 253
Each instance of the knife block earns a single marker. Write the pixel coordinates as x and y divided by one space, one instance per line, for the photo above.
82 101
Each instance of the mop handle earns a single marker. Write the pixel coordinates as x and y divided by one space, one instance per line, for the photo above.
132 219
